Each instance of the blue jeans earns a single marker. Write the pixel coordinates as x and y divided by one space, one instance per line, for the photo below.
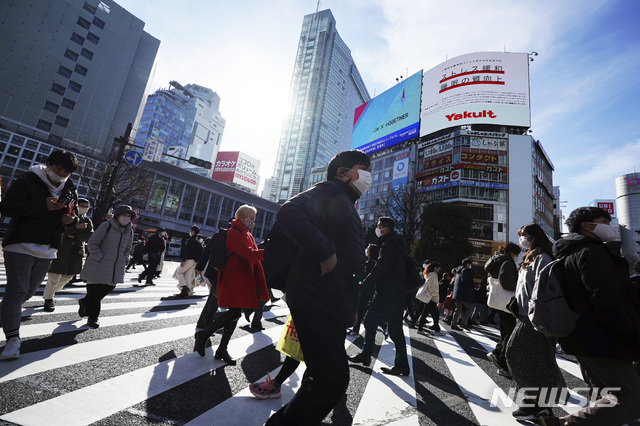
24 275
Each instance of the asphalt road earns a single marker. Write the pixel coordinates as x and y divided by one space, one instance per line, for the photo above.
139 368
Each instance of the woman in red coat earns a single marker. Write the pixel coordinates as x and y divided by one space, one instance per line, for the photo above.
241 282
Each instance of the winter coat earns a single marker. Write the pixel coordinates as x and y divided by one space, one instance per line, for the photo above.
598 287
241 282
192 249
432 286
71 254
155 245
388 276
323 221
25 202
527 278
463 288
109 249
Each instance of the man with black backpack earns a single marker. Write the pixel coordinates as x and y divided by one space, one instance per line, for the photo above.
606 337
388 282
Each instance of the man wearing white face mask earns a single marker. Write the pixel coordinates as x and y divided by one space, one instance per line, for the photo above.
70 256
40 204
606 339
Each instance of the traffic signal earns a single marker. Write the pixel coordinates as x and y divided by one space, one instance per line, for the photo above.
199 162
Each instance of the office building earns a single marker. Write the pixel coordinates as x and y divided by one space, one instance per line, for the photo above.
182 121
326 88
73 72
628 203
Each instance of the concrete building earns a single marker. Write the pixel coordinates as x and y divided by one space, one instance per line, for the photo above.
73 72
628 203
182 121
326 88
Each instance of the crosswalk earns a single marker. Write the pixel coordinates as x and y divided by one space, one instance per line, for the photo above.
139 368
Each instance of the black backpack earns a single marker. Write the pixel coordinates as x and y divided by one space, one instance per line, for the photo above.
279 252
218 249
412 275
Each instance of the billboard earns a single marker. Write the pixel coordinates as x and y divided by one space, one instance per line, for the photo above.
390 118
238 168
477 88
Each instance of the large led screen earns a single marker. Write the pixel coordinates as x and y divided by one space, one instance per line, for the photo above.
389 118
477 88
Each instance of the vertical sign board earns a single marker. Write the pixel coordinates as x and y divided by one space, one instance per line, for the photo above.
399 183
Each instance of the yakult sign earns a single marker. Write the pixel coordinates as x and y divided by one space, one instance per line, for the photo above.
477 88
236 167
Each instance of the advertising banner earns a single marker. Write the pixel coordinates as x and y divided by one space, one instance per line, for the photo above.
390 118
246 173
225 166
477 88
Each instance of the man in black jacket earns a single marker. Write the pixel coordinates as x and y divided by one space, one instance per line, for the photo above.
606 339
464 295
40 204
154 248
389 281
190 256
322 284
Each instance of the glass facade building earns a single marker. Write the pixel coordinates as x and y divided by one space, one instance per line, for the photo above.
72 73
183 122
326 88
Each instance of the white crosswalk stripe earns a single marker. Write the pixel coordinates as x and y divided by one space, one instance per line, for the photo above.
139 367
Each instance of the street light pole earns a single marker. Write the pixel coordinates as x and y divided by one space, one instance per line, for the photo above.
121 142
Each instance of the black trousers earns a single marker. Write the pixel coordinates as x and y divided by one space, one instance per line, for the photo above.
430 308
150 269
326 378
394 322
95 294
507 324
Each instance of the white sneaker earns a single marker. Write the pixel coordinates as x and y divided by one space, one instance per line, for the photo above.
11 349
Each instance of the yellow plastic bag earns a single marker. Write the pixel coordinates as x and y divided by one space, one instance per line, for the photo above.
289 343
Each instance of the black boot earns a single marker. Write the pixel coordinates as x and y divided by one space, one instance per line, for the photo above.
221 352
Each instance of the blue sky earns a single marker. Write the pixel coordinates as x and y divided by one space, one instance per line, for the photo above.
585 89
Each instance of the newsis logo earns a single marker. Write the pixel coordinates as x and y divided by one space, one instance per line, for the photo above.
467 114
551 397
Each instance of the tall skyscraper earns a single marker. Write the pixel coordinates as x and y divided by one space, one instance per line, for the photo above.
326 88
182 121
73 73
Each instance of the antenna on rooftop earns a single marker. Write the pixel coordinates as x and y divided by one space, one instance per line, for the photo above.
318 6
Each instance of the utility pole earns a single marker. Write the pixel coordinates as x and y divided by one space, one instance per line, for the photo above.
120 143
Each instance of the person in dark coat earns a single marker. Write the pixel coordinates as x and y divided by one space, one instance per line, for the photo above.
389 281
70 256
323 282
241 282
40 204
109 249
154 248
606 339
190 256
464 295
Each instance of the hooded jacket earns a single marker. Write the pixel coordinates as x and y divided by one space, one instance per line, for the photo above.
322 221
109 249
598 287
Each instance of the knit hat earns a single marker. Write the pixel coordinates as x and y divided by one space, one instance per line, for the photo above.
124 209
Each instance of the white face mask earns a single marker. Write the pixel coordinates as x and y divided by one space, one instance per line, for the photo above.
378 232
605 232
250 224
524 242
82 210
363 182
164 234
54 177
124 220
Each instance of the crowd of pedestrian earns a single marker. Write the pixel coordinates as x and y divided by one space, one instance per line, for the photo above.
334 285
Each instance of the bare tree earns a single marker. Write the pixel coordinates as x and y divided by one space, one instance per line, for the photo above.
406 207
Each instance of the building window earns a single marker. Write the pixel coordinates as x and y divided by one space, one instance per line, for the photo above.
81 70
93 38
89 8
214 207
64 71
77 38
71 55
74 86
68 103
188 203
56 88
158 191
44 125
173 198
98 22
87 53
61 121
51 107
83 23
